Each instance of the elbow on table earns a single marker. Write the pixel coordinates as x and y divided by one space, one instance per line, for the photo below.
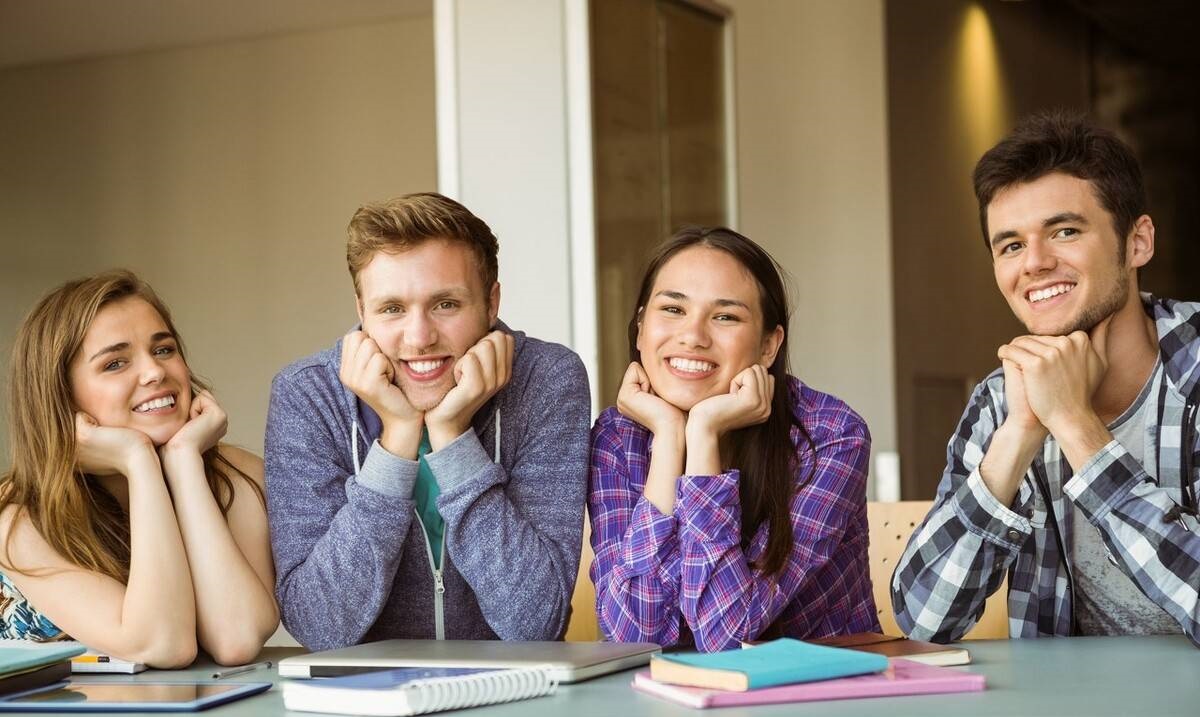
172 654
236 650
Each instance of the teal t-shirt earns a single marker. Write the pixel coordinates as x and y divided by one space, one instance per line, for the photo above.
425 493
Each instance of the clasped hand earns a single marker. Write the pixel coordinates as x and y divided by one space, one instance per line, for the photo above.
1049 381
747 403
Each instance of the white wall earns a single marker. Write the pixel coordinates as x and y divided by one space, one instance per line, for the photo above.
225 175
813 187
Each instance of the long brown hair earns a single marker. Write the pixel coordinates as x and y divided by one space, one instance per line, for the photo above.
763 454
77 516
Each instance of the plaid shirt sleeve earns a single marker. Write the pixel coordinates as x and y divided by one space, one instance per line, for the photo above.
1161 556
724 601
959 555
637 563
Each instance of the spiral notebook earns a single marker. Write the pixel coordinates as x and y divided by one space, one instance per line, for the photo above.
412 691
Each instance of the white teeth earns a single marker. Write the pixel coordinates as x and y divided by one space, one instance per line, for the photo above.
1049 292
425 366
164 402
691 365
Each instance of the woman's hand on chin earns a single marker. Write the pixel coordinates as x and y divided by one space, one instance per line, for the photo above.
206 425
103 450
637 400
748 403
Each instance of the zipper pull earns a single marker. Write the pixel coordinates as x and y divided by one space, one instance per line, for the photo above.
438 585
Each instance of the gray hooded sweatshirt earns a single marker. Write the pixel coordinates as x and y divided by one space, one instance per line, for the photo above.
352 560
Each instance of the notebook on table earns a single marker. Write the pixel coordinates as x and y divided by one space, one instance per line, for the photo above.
928 653
903 677
86 660
782 661
567 661
416 690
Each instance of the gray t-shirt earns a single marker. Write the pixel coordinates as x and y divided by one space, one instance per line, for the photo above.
1107 600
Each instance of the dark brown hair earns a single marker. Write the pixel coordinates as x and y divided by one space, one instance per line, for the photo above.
398 224
1059 141
763 454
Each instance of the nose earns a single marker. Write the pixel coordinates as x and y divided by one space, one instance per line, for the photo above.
1039 257
694 332
151 372
420 331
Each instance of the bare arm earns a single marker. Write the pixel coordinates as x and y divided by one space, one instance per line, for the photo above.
152 618
229 556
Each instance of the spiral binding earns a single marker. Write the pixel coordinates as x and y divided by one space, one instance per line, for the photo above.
506 685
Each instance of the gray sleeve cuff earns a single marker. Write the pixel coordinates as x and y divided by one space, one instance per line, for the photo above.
385 473
458 461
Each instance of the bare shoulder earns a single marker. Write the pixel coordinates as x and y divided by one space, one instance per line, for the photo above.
244 461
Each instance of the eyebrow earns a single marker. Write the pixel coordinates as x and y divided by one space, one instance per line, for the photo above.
122 346
1060 218
453 292
680 296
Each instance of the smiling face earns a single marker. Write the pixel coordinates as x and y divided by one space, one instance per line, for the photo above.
701 326
128 372
425 307
1056 257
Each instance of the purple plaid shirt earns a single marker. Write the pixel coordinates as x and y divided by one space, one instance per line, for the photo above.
675 579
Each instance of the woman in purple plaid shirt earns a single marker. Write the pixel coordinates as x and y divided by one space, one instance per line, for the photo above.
727 499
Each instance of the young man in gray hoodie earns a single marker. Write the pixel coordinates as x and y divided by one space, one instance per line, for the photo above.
426 475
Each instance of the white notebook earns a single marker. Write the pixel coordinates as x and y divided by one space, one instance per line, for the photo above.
89 662
417 690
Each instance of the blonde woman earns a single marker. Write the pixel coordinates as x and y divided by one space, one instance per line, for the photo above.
125 523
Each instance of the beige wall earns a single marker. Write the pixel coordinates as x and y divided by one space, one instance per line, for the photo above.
813 187
223 174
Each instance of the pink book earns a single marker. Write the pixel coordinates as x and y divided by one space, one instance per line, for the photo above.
903 677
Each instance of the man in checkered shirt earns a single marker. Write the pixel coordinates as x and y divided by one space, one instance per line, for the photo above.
1066 473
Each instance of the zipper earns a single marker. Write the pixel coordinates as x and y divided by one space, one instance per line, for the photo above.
439 584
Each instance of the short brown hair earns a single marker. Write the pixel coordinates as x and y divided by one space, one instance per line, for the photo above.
1060 141
399 224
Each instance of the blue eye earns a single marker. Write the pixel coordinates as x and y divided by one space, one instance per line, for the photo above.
164 351
114 364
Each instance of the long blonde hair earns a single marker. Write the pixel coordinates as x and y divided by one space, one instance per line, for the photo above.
77 516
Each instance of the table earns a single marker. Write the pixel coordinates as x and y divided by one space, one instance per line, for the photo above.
1093 676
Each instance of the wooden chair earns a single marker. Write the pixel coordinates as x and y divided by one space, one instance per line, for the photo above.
891 524
584 626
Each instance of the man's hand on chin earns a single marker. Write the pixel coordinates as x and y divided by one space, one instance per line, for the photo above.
1060 376
481 372
369 373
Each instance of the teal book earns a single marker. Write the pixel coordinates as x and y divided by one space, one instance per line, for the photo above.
14 660
779 662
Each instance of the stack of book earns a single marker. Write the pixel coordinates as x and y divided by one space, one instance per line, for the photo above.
24 668
788 670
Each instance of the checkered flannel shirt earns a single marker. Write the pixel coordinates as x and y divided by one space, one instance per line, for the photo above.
970 541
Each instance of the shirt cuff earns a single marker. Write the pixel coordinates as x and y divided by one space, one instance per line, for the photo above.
652 538
987 517
1104 481
709 505
458 461
386 473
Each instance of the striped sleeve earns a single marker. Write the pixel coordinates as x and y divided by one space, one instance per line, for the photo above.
637 561
959 555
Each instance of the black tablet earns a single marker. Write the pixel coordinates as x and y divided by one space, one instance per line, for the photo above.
130 696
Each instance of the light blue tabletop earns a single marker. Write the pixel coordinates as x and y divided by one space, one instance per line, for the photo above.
1092 676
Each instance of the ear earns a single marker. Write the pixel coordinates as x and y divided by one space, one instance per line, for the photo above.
771 343
640 313
1139 246
358 308
494 304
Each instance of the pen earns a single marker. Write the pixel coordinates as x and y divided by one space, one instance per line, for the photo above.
221 674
